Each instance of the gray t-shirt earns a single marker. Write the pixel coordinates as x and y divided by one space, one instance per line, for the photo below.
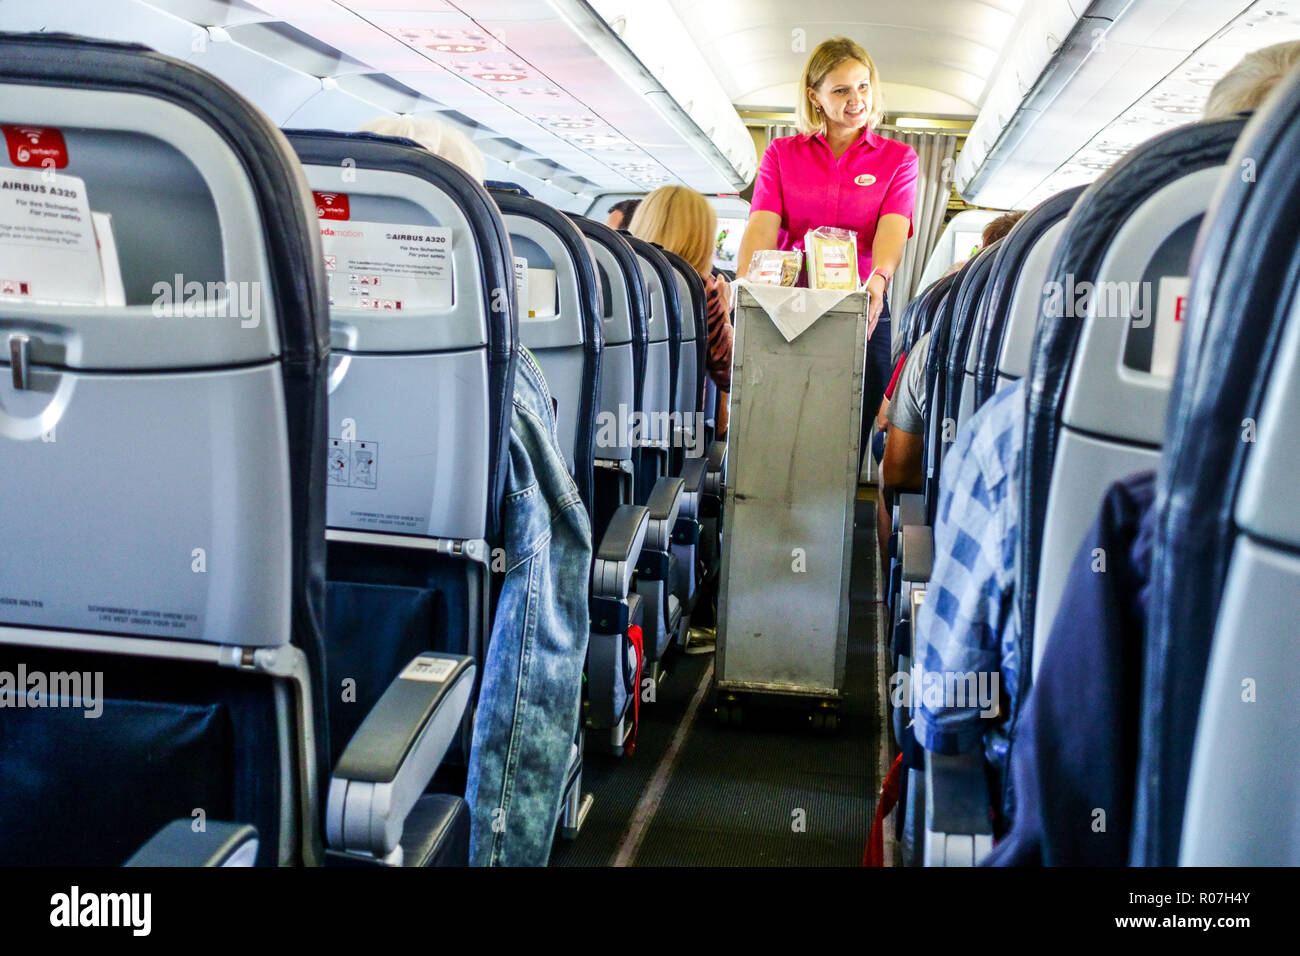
907 410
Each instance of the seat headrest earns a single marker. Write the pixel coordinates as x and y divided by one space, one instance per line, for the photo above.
393 155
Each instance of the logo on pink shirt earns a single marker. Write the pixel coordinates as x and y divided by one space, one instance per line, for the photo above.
866 179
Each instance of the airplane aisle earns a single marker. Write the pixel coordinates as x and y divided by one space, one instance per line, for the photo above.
729 797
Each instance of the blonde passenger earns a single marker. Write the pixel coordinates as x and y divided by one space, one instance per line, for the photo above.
437 136
1249 83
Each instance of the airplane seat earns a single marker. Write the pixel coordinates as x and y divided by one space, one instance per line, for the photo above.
1098 383
560 324
657 488
620 525
692 358
1099 377
906 323
928 305
420 399
564 331
908 508
623 367
162 595
966 388
689 460
918 316
958 300
972 314
1222 652
909 556
1015 287
941 340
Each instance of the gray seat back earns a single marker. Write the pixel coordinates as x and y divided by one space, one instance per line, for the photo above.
165 511
564 331
692 357
663 342
624 307
1095 404
1112 419
418 391
1219 749
1018 338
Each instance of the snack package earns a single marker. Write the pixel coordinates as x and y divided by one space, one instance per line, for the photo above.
774 267
832 258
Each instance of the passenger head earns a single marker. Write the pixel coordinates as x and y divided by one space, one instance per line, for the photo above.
1248 84
621 213
436 136
680 220
999 227
839 84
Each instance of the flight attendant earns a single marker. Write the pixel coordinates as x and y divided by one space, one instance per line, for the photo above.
838 172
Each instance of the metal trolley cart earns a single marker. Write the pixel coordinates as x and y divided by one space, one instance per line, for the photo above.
792 473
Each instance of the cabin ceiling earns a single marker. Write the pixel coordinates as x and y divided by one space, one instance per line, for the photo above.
545 90
935 57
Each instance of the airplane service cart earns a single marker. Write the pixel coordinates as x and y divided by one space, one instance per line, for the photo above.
791 483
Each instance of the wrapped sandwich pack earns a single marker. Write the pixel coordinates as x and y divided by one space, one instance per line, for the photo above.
832 258
775 267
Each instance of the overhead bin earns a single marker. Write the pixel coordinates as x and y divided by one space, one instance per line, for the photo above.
1085 83
554 99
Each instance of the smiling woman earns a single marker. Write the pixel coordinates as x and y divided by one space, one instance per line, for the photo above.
838 172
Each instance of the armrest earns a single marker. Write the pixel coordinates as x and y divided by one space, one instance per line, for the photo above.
717 461
393 755
664 504
611 572
717 455
911 509
219 844
694 473
958 831
917 552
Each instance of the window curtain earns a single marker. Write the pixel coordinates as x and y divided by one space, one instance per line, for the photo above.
936 153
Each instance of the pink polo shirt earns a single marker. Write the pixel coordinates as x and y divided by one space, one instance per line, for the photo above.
802 182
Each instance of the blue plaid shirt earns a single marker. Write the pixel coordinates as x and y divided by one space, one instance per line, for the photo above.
969 622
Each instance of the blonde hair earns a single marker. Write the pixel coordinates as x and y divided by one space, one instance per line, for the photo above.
435 136
1248 84
828 55
682 221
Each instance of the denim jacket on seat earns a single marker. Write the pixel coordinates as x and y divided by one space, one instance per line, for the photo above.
528 708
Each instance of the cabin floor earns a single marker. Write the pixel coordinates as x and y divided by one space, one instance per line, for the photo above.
772 792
